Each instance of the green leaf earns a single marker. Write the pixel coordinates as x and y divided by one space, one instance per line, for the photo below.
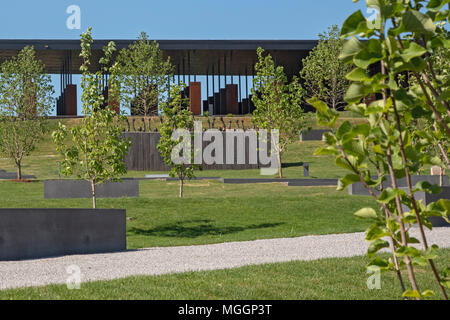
355 93
427 187
354 24
389 194
411 294
428 293
417 22
376 246
357 75
413 51
350 48
347 180
366 213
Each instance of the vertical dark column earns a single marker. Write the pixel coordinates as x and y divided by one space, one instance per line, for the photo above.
189 66
213 90
178 74
195 68
225 68
231 95
240 94
184 77
207 83
231 66
195 98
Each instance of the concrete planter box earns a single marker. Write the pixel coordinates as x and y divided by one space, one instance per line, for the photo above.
313 135
358 188
38 233
428 198
63 189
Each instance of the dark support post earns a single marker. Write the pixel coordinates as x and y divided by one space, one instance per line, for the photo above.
305 169
231 66
207 82
213 90
225 68
184 77
189 66
195 68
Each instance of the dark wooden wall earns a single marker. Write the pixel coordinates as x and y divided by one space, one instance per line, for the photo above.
144 155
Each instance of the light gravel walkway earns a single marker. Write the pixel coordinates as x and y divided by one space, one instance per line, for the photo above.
156 261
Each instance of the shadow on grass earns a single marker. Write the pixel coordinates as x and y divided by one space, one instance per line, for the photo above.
196 228
291 164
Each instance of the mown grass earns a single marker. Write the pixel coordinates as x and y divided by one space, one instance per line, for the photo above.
342 279
213 212
43 162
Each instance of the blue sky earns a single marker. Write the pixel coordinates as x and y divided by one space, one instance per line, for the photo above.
175 19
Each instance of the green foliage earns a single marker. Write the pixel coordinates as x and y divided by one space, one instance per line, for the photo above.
144 76
176 115
278 103
324 73
408 40
25 102
97 150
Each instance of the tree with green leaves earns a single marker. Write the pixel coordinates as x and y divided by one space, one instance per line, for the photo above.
323 73
25 102
278 104
97 148
176 137
144 76
408 35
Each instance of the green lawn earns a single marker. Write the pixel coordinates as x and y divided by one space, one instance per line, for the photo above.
43 164
213 212
320 279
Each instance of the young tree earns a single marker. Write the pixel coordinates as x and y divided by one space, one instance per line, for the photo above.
97 150
177 116
25 102
278 104
324 73
144 76
409 33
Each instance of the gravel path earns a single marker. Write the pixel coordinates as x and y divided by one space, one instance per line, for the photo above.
155 261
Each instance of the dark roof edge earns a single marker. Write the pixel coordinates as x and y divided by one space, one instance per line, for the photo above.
54 44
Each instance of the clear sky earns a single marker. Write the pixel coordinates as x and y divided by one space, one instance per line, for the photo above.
174 19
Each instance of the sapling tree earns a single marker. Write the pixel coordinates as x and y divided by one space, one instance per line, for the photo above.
278 104
323 73
405 38
97 148
25 102
144 76
177 118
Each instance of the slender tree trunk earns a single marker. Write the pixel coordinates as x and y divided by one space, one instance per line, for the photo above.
181 187
280 168
19 170
94 199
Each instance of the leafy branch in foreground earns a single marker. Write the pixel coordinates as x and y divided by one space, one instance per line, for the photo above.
410 33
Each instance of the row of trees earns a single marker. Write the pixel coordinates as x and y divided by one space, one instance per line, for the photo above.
144 77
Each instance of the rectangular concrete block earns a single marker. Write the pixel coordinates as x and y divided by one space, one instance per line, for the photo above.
358 188
428 198
313 135
39 233
70 189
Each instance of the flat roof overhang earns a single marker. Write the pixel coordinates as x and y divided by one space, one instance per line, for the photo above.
240 54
